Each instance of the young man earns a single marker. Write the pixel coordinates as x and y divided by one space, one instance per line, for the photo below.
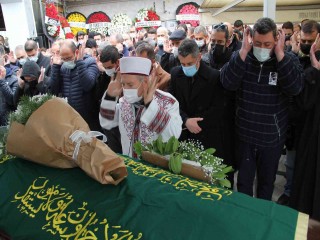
143 113
264 77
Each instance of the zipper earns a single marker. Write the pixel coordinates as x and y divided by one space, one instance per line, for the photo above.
261 65
277 125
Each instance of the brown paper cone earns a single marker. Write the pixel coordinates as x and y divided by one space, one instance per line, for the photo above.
45 139
186 170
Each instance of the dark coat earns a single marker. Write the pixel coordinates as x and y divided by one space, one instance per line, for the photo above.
8 87
44 62
169 61
305 193
262 108
78 86
203 96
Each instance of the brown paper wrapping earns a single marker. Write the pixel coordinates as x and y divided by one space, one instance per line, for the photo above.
45 139
186 170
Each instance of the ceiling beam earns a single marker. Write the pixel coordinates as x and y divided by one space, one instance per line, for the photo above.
226 7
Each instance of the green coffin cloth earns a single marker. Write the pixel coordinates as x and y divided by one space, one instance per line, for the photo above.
38 203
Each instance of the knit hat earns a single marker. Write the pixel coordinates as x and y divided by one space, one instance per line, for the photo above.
30 69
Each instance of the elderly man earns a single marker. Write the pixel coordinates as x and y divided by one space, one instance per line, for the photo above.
21 55
143 113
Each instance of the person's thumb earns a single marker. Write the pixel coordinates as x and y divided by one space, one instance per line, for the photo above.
199 119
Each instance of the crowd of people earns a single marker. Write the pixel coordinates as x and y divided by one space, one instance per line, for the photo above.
249 92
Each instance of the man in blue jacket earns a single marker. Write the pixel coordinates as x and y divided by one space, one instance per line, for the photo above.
74 76
264 77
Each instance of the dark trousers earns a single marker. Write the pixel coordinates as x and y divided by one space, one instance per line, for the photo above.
264 161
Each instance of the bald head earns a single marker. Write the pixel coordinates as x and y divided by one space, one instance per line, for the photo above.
68 44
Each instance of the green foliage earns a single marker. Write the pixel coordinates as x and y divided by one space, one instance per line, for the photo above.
190 150
3 140
27 106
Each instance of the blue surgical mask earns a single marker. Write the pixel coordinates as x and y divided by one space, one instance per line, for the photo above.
34 58
22 61
190 71
69 64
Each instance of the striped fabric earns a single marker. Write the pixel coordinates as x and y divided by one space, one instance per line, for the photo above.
263 91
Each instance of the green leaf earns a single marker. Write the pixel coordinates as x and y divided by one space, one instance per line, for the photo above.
225 183
218 175
210 150
138 148
227 169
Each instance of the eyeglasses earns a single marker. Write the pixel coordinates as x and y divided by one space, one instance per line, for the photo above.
220 26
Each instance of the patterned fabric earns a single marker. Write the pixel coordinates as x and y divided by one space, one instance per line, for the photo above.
106 113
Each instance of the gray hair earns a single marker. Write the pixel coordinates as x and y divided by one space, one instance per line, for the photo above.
201 29
103 45
19 48
187 47
146 47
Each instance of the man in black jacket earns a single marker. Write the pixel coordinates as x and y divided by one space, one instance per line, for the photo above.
32 50
206 114
170 58
264 76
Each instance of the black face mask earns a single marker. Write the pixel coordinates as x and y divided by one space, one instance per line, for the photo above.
218 52
305 48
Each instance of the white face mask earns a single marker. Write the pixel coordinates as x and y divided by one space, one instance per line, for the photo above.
160 41
200 43
98 42
262 54
131 95
175 51
34 58
22 61
110 72
80 42
69 64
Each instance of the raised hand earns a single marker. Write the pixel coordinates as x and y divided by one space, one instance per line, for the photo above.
315 47
294 42
167 46
56 59
279 48
246 44
192 125
115 86
21 83
150 86
3 72
41 77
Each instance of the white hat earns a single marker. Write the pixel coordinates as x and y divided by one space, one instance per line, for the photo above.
135 65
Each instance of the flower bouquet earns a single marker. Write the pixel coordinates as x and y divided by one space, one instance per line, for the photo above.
188 158
120 23
98 22
77 22
52 22
47 130
187 13
147 18
66 27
